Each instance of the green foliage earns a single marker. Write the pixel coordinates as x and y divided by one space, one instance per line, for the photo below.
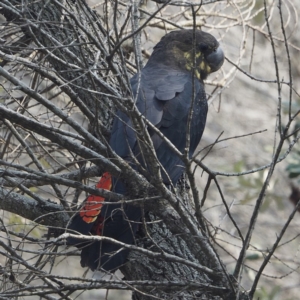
293 167
251 185
19 225
275 293
253 256
259 13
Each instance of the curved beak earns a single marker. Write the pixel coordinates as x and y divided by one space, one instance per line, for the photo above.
215 59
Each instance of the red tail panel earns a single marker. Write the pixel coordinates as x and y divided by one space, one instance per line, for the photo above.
93 204
117 221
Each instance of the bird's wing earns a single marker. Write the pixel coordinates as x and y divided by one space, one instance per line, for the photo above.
174 124
164 96
152 89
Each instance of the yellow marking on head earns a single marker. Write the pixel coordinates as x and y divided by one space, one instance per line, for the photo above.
205 67
188 67
198 54
187 55
202 66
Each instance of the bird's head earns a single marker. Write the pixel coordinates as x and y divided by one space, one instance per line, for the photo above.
188 49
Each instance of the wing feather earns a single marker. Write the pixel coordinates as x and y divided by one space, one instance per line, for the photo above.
164 97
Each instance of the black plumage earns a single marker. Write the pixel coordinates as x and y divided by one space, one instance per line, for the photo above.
165 91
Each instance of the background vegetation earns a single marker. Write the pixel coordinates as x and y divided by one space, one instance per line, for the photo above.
64 70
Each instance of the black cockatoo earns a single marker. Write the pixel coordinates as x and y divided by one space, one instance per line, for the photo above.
164 91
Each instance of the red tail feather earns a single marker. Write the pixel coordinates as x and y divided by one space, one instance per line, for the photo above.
116 221
93 204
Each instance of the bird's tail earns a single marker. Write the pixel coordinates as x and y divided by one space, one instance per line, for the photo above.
116 221
83 222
